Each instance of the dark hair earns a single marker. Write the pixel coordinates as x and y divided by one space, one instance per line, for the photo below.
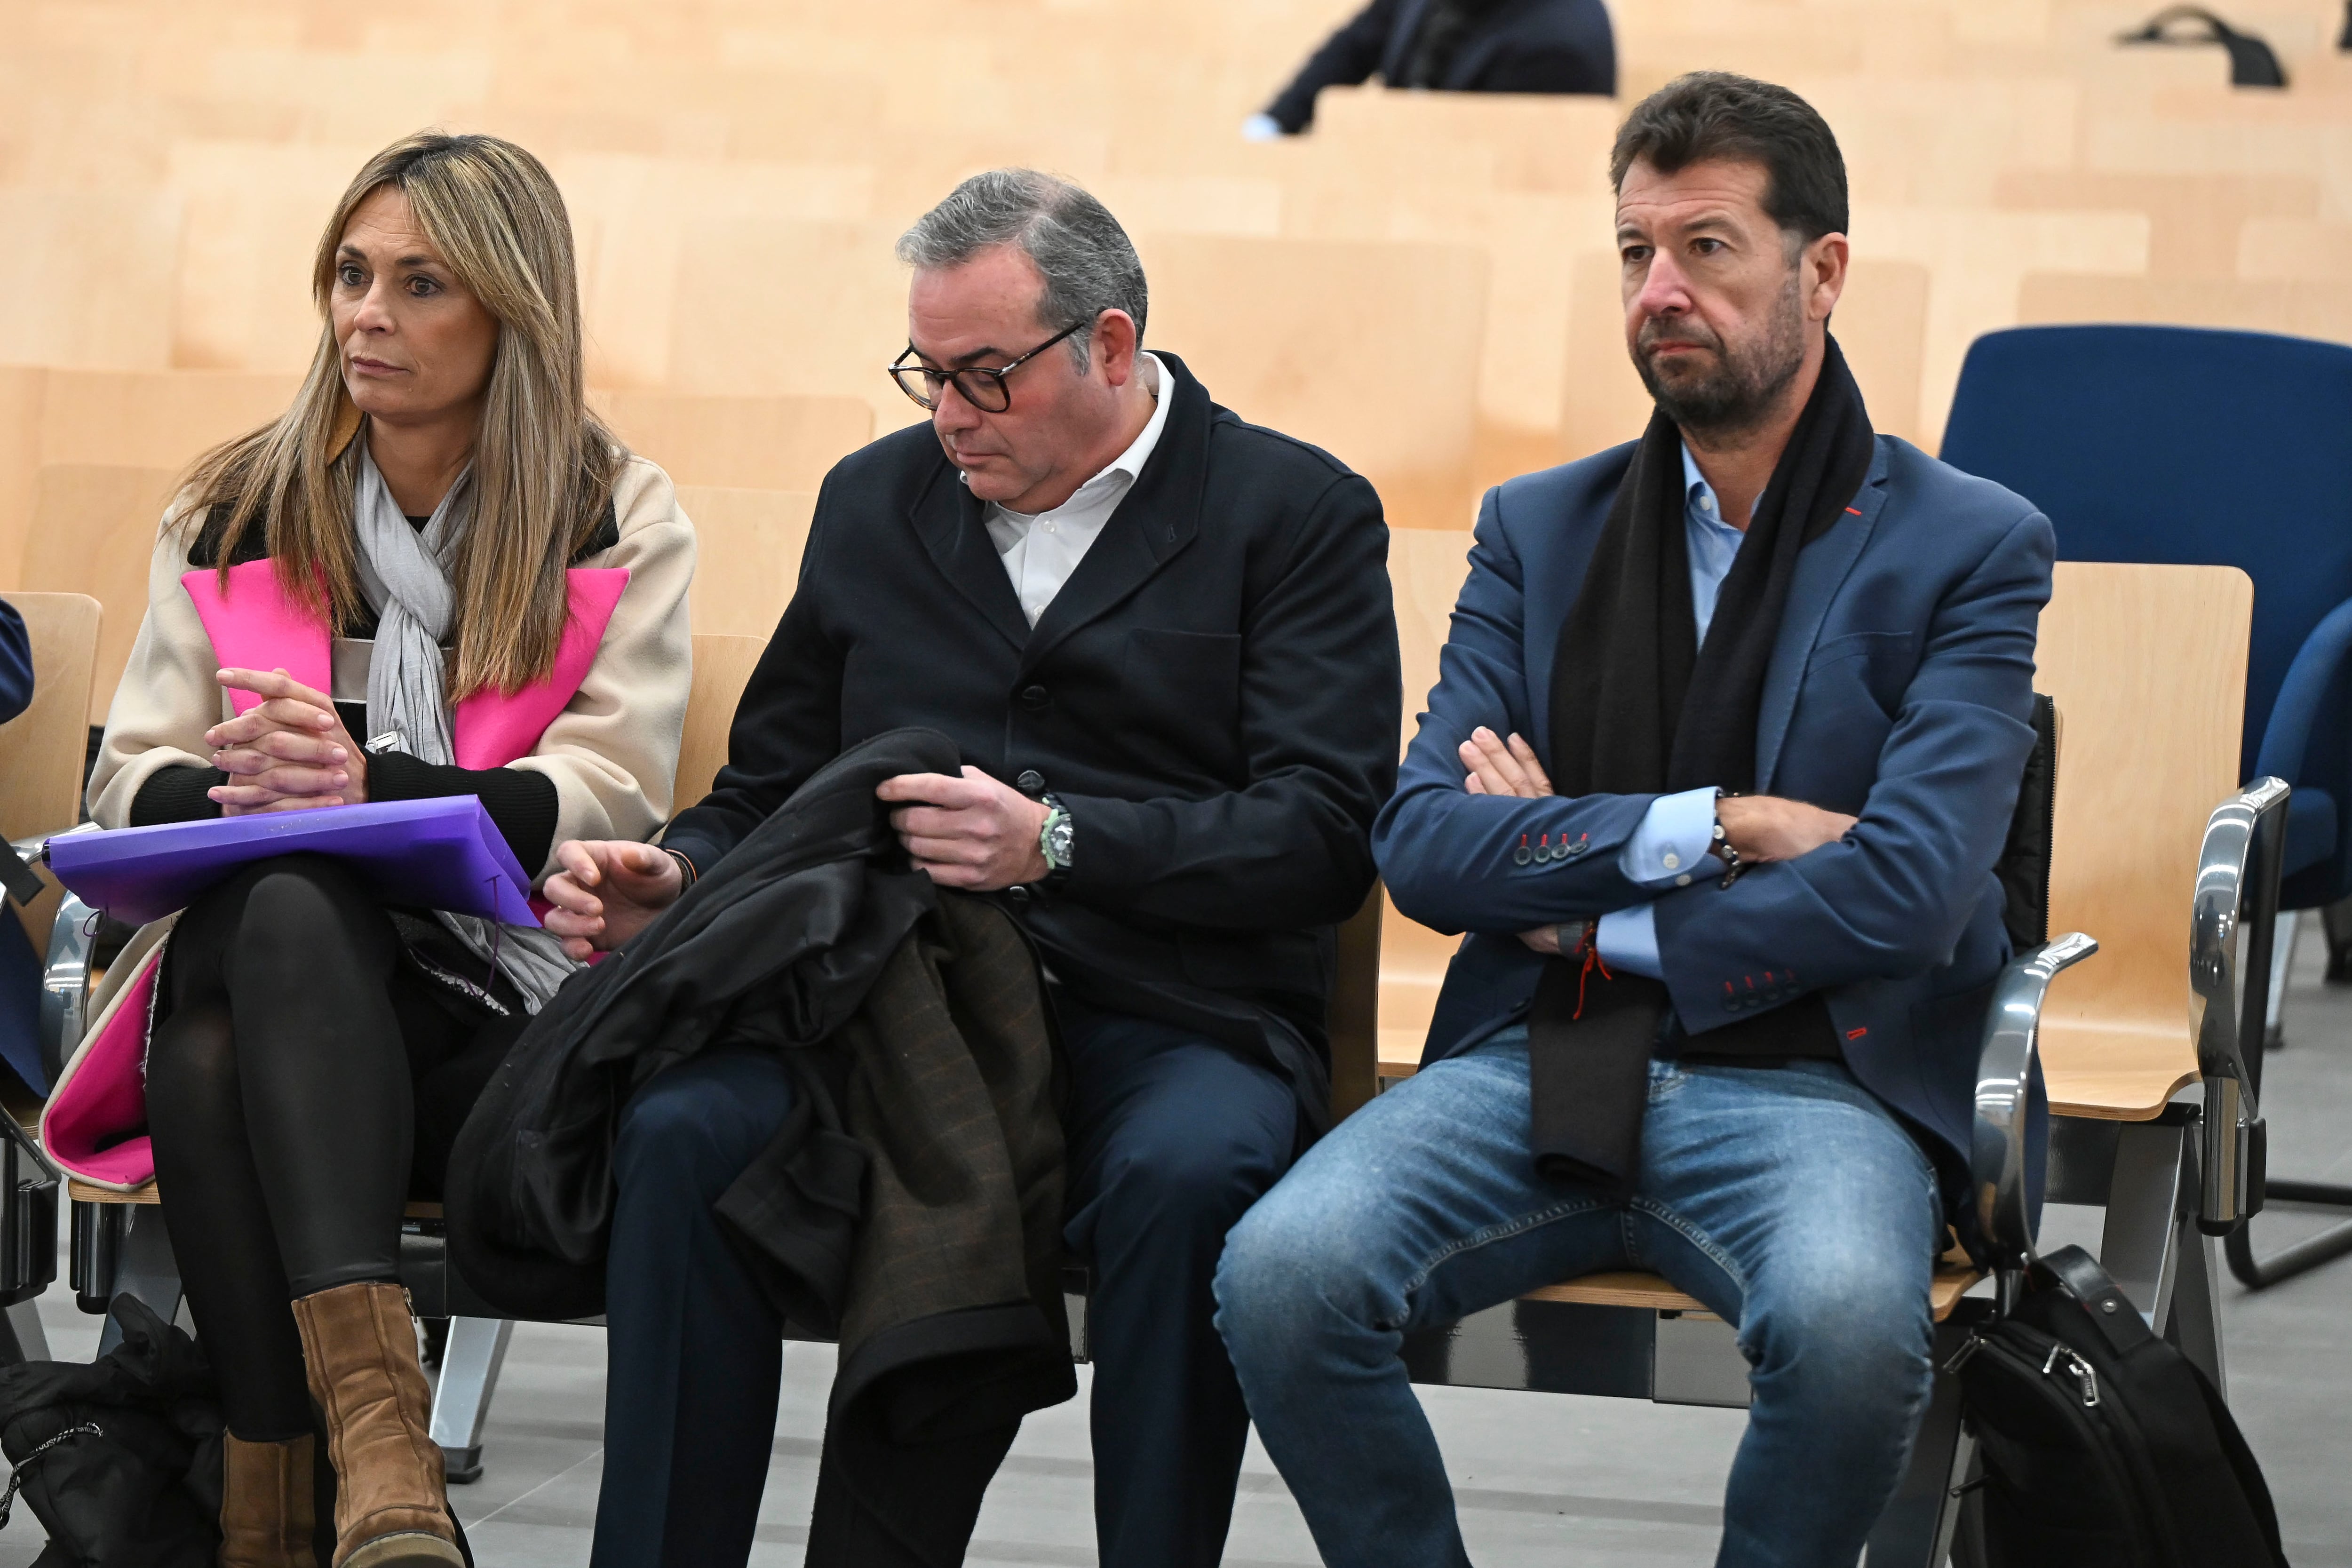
1714 114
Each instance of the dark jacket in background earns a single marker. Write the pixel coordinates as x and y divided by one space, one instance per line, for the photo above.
16 664
1213 695
120 1458
911 1206
1502 45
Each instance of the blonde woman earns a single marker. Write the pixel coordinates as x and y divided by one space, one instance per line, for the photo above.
435 575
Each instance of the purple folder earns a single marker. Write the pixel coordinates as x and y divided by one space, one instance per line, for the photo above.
441 854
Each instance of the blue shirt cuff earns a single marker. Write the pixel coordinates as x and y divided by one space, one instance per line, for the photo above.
1628 940
1673 836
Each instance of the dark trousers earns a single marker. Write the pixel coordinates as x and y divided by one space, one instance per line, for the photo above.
302 1083
1171 1139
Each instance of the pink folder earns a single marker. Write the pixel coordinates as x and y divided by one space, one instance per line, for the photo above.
440 854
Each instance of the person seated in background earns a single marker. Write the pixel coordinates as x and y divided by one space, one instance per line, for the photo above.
20 967
1161 638
16 664
1724 750
400 537
1453 46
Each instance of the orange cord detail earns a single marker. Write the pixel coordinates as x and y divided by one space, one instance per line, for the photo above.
1591 961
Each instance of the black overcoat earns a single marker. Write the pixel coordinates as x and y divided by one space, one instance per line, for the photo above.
1213 695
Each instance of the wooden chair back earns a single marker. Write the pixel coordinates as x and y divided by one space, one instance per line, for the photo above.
748 546
1370 351
1426 569
2148 666
741 442
43 748
139 420
722 668
738 328
155 419
94 532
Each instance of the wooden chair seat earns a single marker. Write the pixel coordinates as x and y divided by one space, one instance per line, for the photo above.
1632 1287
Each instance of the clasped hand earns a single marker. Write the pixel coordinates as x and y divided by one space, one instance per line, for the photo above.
1761 827
289 752
969 832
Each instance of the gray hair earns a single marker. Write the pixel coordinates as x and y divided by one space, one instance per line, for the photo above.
1088 263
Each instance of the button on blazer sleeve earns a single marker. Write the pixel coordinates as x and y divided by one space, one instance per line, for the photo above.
1318 723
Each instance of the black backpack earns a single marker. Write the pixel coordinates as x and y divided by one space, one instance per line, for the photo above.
2102 1445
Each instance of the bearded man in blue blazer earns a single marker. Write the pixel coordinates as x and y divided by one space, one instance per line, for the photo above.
1725 747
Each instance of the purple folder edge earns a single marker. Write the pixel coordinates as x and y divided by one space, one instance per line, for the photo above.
103 869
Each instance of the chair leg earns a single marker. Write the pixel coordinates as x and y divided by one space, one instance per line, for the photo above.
1916 1530
22 1338
144 1267
2196 1322
2282 961
2151 1191
2262 1273
2337 920
461 1401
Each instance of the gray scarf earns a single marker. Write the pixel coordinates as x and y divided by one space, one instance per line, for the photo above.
404 574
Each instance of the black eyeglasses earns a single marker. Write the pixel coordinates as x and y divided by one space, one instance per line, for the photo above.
983 389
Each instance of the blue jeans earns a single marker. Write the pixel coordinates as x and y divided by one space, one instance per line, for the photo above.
1787 1199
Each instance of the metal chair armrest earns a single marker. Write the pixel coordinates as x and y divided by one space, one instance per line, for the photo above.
65 980
65 972
2004 1073
2231 921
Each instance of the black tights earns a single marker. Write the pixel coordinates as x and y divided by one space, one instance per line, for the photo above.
302 1083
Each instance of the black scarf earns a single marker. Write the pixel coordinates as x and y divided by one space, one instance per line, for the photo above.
1640 707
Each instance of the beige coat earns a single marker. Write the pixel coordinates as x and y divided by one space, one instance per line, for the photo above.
612 752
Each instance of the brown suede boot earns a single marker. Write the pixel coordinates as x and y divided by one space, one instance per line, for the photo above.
266 1518
392 1509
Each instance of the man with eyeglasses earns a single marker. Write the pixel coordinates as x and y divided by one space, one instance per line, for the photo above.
1162 640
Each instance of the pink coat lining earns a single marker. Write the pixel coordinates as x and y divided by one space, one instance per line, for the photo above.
90 1125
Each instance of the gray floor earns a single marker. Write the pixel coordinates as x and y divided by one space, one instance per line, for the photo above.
1539 1480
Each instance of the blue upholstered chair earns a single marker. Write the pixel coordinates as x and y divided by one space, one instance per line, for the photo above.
2199 447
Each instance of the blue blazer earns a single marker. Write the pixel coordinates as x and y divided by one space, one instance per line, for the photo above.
1900 689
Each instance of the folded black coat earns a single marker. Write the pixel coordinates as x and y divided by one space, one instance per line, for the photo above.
911 1205
119 1457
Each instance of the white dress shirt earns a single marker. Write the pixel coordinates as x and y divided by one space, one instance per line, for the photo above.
1040 549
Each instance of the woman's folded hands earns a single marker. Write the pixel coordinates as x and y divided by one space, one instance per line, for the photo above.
287 753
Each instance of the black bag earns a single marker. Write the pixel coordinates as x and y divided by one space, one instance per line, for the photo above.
2252 63
119 1457
2102 1445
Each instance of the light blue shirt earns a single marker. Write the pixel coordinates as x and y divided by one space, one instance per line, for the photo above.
1669 847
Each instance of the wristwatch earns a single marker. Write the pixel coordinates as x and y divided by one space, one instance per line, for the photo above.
1054 841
